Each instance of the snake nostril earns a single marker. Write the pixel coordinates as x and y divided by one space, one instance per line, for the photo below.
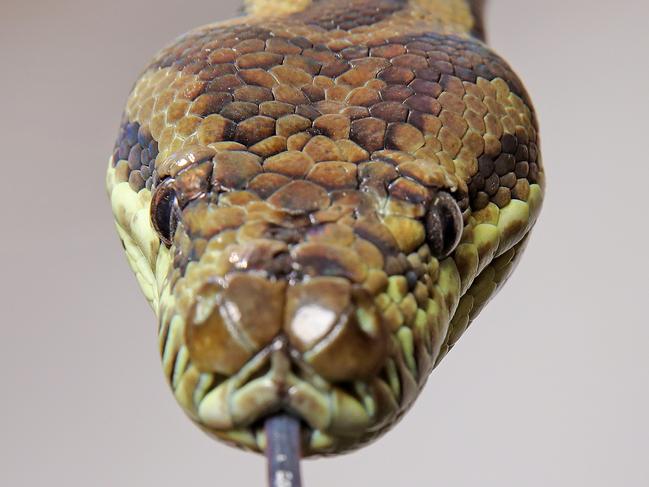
281 265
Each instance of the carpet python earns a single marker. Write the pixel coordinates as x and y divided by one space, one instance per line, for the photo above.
317 199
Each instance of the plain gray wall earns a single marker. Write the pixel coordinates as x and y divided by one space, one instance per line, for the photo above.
548 388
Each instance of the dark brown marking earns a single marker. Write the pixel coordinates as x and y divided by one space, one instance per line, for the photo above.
346 15
477 10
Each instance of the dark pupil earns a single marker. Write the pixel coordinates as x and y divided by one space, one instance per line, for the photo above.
449 228
163 214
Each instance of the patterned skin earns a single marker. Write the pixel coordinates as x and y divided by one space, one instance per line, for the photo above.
317 203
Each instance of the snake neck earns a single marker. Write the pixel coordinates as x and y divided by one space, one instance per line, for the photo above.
462 16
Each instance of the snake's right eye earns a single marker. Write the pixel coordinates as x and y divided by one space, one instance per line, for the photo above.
444 225
164 211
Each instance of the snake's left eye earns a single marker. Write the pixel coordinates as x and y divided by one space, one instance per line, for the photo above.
164 209
444 225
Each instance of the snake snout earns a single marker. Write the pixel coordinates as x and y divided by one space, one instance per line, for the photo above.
331 325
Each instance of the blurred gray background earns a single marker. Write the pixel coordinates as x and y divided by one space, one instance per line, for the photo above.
548 388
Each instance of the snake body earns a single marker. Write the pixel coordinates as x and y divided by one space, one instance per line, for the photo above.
317 199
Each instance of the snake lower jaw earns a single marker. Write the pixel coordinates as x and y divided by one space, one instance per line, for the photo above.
335 418
277 379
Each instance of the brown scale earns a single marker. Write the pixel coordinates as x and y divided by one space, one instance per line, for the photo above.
506 175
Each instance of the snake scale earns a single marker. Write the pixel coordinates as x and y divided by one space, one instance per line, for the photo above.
317 199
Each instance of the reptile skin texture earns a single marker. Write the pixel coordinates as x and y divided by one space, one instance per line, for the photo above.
317 199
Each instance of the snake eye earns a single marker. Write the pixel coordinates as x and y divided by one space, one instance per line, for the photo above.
164 211
444 225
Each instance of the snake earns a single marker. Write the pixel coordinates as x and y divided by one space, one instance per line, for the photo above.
317 199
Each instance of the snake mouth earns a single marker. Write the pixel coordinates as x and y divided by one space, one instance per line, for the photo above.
279 380
259 389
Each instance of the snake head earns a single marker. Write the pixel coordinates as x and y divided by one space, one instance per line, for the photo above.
317 221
